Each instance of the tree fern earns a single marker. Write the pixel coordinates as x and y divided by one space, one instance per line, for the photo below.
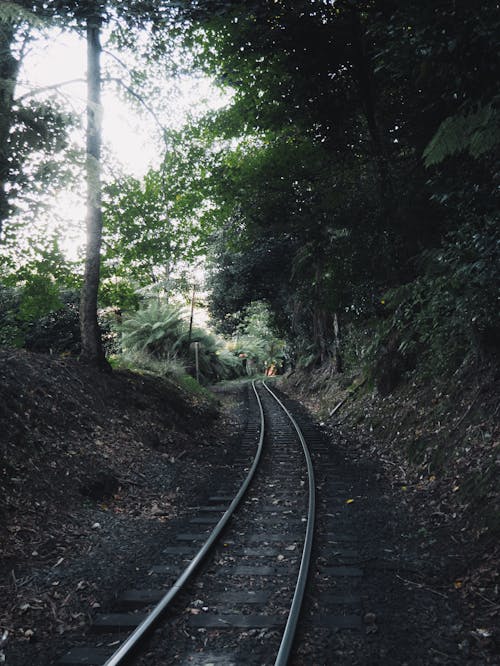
12 12
154 329
160 333
476 132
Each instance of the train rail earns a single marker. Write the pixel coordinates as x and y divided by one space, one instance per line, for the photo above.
287 481
293 617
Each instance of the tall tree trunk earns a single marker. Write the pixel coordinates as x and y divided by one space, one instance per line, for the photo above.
9 68
319 331
339 366
92 351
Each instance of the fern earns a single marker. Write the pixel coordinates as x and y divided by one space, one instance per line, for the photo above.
154 330
476 132
12 12
154 336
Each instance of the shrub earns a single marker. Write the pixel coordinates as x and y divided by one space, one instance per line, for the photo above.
159 332
29 322
12 329
155 330
57 331
451 312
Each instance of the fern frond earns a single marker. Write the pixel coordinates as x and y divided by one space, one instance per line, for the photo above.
12 12
476 132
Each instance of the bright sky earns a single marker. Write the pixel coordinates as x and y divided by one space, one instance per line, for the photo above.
64 59
131 135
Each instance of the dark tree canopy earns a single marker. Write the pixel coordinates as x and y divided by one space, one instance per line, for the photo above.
344 101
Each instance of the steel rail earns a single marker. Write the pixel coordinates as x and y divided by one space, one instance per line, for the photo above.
298 596
145 626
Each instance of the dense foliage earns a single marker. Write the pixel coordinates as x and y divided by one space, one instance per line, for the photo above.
355 171
255 342
158 334
350 183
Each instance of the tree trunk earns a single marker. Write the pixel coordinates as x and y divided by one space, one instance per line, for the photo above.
9 68
319 331
339 366
92 351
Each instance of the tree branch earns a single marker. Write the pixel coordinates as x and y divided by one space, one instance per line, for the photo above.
139 98
121 62
54 86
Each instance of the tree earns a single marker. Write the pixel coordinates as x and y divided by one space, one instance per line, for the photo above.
93 14
9 68
33 135
366 86
92 351
256 341
156 225
315 177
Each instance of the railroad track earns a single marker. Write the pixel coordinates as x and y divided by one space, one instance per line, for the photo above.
233 588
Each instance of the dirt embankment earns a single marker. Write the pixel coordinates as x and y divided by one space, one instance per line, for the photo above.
439 446
92 466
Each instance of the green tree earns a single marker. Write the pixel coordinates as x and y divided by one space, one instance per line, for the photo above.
88 17
256 341
368 87
40 295
33 135
153 226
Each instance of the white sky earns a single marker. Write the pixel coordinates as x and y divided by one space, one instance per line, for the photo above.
131 135
64 59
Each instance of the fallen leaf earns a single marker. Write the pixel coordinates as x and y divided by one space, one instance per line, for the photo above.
482 636
349 501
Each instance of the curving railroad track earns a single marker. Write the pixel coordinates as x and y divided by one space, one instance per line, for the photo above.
233 588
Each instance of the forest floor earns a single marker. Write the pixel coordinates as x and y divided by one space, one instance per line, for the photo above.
437 447
96 469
